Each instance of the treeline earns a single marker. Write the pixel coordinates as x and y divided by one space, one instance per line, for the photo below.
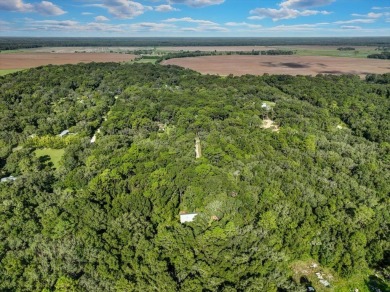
383 55
186 54
346 49
12 43
107 219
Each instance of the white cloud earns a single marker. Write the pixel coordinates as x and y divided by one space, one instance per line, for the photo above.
202 25
355 21
190 20
165 8
380 8
125 8
4 25
197 3
52 25
205 29
350 27
256 17
301 4
48 8
43 7
299 27
151 26
15 5
101 18
244 24
104 27
86 13
282 13
289 9
370 15
71 26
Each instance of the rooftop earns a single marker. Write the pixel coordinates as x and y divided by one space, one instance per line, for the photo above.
187 217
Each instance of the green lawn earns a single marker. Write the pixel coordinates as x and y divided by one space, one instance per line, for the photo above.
152 61
362 282
55 154
8 71
11 51
358 53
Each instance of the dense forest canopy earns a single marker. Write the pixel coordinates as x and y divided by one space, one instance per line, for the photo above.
12 43
313 186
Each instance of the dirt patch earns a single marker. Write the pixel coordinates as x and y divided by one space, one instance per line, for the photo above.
291 65
29 60
270 124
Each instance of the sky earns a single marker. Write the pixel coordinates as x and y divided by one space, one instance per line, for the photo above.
195 18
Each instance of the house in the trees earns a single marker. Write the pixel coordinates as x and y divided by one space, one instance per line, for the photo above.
187 217
265 106
64 133
7 179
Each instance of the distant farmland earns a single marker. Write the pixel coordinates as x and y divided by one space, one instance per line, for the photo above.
29 60
291 65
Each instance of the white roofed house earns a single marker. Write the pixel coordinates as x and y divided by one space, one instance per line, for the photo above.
64 133
187 217
8 179
264 105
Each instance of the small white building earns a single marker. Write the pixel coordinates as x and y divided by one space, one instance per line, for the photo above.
325 283
64 133
7 179
266 106
187 217
319 276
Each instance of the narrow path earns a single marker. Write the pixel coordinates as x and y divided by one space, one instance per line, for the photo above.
198 149
93 139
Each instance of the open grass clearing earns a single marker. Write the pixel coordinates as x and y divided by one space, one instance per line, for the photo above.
8 71
144 61
12 51
54 154
333 52
309 270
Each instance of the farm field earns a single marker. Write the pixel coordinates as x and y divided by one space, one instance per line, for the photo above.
29 60
291 65
360 51
78 49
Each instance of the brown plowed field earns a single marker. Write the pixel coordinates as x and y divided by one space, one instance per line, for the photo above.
291 65
29 60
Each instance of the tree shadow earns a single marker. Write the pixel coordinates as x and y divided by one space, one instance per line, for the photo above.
305 282
376 284
46 160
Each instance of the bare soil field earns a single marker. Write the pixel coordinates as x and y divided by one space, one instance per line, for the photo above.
29 60
291 65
